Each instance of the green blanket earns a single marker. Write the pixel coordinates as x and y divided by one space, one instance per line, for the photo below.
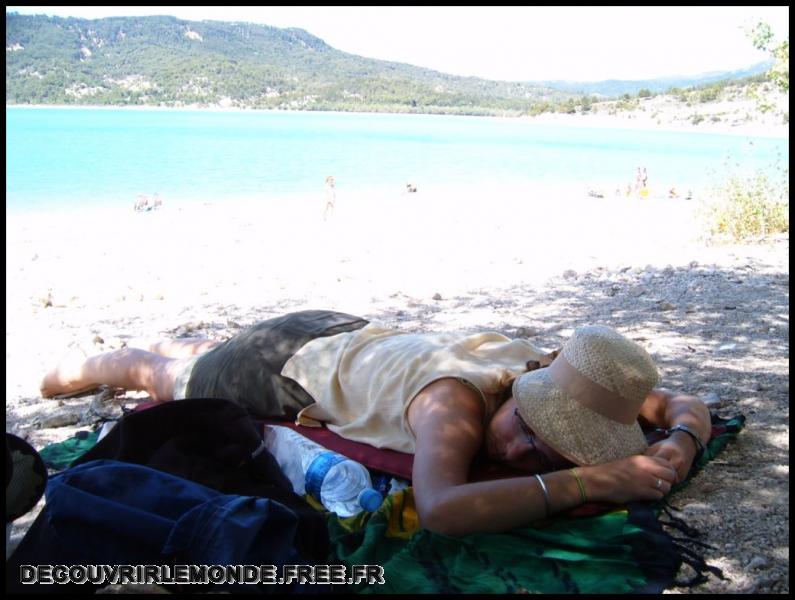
623 550
61 455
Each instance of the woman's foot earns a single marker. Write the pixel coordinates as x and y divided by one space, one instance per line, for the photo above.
67 378
128 368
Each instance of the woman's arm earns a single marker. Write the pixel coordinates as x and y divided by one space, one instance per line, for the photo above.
666 409
447 420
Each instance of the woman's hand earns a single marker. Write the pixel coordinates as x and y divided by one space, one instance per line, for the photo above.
680 452
633 478
665 409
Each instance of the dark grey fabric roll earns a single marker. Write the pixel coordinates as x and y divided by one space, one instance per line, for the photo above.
247 368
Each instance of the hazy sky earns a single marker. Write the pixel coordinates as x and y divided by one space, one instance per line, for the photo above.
512 42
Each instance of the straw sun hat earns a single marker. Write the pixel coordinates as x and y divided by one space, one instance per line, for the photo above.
585 404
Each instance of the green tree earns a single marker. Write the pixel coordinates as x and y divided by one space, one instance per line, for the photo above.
762 37
753 206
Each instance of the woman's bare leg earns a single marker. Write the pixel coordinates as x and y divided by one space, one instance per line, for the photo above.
183 347
128 368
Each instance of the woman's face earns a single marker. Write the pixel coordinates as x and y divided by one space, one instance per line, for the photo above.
509 440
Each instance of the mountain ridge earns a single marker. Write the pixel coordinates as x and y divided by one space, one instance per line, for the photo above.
618 87
166 61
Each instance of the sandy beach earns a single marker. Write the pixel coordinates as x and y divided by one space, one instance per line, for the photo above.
531 261
159 269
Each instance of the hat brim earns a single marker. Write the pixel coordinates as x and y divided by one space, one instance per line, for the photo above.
578 433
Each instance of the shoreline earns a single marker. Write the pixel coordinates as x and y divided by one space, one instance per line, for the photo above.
300 204
433 201
554 119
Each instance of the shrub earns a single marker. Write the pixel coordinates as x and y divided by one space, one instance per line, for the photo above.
540 108
624 105
747 208
708 95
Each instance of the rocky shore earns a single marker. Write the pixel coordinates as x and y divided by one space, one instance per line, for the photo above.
735 112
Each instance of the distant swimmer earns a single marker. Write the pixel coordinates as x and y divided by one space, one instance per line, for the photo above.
642 183
141 203
329 196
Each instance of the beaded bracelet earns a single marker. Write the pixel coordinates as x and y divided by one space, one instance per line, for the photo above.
546 493
580 484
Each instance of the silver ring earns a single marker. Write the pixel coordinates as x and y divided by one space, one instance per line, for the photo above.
659 484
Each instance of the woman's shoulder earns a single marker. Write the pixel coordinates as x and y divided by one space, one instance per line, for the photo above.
443 399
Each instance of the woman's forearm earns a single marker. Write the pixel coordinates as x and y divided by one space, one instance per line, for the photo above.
691 412
667 409
497 505
506 504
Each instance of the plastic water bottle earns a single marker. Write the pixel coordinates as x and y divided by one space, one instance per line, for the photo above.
340 484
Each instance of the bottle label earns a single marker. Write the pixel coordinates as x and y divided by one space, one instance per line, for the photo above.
317 471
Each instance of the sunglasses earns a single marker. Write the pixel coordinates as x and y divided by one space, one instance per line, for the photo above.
548 464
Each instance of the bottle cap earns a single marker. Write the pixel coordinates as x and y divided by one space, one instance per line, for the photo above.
370 500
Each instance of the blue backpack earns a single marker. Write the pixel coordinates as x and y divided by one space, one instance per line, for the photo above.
184 483
106 512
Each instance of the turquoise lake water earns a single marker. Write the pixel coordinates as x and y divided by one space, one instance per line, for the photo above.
83 158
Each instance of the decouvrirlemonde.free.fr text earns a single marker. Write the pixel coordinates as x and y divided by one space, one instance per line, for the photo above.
192 574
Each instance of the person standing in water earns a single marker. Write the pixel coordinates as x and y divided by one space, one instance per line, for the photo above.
330 197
